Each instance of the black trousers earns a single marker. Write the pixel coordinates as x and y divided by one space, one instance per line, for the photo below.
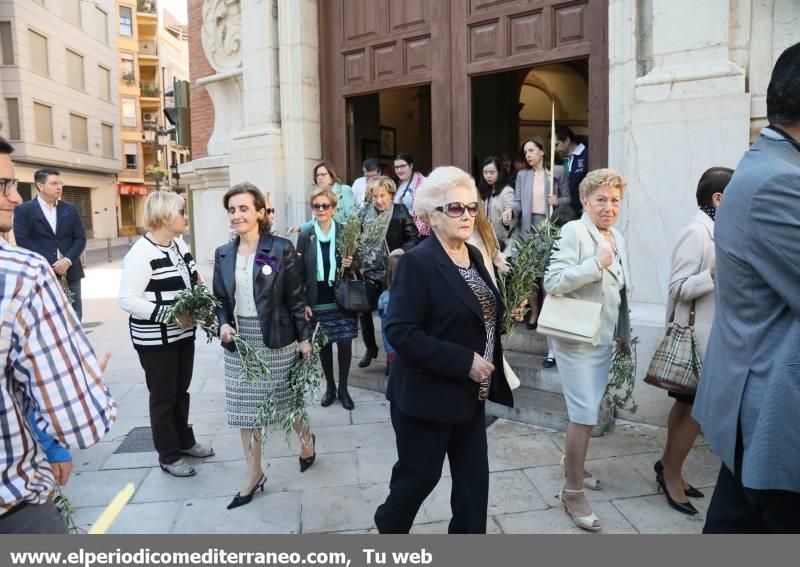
77 304
168 374
368 331
735 509
34 519
421 447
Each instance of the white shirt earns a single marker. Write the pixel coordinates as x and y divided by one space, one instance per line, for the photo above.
245 299
50 212
359 188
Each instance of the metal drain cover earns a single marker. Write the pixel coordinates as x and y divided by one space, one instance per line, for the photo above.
139 440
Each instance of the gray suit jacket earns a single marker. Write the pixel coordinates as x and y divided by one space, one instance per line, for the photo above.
751 373
523 196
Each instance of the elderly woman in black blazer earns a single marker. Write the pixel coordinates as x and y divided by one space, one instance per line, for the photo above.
259 283
444 324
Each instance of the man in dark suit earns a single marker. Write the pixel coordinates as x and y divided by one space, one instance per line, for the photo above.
748 401
50 227
576 164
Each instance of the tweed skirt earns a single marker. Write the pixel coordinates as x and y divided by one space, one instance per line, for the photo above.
337 324
583 369
243 398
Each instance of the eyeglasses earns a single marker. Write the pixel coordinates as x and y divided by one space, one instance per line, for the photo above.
456 210
270 211
398 166
7 185
321 206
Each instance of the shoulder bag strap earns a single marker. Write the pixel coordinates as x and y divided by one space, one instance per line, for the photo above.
675 306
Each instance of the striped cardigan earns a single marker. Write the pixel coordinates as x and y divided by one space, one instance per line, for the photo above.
149 284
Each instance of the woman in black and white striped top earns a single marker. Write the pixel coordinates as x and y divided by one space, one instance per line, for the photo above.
157 267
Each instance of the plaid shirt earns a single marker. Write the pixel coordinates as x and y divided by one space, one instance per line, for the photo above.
50 370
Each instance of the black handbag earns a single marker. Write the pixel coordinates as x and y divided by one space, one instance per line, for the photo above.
356 294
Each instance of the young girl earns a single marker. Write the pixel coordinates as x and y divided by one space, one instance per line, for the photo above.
383 303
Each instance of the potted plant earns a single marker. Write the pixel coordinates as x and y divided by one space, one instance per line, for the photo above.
156 172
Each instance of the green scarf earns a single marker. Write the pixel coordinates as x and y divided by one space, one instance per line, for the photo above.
330 237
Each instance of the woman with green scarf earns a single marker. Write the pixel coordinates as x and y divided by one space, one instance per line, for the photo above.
316 246
387 226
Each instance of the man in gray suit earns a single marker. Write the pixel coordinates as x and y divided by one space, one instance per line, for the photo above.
748 402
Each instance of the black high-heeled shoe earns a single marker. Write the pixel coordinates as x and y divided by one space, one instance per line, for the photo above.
691 491
683 507
240 500
306 462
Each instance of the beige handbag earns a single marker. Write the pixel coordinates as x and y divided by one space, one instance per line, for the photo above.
511 376
571 319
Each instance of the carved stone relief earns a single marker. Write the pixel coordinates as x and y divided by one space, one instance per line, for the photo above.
221 33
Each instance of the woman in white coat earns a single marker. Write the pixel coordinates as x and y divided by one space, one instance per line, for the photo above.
691 281
589 264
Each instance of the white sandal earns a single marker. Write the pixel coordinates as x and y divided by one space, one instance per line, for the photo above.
198 451
179 468
590 523
588 482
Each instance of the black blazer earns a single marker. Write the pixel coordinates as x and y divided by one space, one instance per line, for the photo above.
435 326
307 250
279 296
32 231
402 232
578 170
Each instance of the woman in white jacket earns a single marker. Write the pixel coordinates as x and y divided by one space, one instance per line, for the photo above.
691 282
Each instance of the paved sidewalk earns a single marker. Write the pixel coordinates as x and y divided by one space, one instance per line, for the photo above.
356 451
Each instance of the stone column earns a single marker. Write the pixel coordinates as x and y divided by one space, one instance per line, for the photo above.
300 100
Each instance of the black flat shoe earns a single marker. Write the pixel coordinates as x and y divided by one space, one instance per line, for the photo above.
531 326
367 358
691 491
549 362
344 397
328 396
240 500
306 462
683 507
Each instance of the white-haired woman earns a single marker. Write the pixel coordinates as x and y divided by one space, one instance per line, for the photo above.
156 268
444 324
589 264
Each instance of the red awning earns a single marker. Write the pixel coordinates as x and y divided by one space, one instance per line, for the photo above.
132 189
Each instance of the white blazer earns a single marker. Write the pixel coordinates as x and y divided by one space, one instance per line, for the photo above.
573 272
692 259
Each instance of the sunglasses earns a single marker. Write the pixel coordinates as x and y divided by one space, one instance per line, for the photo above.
270 211
321 206
456 210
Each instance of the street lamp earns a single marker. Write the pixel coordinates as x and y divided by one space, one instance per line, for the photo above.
158 138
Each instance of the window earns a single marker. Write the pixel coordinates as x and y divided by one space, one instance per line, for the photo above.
6 43
75 70
12 107
125 21
131 156
102 25
38 52
127 68
129 112
43 118
78 133
104 86
108 140
72 11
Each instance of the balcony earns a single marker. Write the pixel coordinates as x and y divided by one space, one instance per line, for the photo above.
149 90
146 7
148 49
129 79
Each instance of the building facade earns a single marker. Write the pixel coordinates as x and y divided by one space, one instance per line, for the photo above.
59 101
660 90
152 50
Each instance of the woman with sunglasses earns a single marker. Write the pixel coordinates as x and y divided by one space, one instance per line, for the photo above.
444 325
317 248
409 181
156 268
390 228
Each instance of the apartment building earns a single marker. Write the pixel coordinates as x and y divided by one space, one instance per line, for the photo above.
59 102
152 48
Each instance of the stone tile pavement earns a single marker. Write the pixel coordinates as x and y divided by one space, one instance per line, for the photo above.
355 455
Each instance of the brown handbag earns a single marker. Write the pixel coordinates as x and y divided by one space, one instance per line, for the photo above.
676 364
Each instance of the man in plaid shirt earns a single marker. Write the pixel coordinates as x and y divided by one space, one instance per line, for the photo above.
50 372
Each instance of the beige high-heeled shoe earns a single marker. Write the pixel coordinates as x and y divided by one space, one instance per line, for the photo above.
588 482
590 523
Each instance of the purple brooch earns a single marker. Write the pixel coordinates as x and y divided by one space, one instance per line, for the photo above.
268 264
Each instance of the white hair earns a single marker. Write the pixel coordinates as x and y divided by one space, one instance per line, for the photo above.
160 208
431 193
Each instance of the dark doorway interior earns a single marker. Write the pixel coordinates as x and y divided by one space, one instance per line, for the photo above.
515 105
389 122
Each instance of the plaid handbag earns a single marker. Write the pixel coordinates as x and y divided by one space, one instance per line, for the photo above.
676 364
